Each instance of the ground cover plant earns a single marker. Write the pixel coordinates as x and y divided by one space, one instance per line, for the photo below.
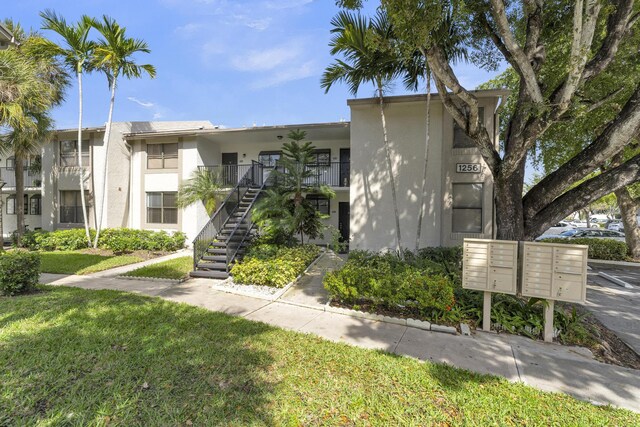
273 265
79 262
77 357
176 268
118 240
428 285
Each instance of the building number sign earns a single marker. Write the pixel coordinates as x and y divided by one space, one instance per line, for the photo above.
468 168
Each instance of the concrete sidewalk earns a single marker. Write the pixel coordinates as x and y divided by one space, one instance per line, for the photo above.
119 271
549 367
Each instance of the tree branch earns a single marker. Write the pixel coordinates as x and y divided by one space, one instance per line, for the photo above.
521 62
583 195
612 139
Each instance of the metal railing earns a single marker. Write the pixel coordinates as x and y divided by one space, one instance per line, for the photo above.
252 177
334 174
31 179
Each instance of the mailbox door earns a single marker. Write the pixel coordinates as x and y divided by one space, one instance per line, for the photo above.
475 274
569 274
503 267
537 270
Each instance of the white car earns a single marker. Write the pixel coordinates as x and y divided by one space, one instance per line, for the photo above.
578 224
599 233
559 228
616 226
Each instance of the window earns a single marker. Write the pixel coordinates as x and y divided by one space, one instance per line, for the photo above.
467 208
69 153
162 156
35 207
321 157
162 208
11 163
460 138
320 203
269 158
71 207
11 205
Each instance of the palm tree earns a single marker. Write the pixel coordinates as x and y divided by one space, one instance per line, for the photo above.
76 55
416 68
203 186
370 57
32 81
113 55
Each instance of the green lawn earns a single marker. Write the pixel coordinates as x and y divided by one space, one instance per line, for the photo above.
176 268
78 357
76 262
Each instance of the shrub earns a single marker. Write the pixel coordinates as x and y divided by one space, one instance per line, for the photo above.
118 240
608 249
19 272
273 265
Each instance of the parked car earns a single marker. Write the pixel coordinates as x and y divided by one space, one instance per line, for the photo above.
579 224
598 233
564 234
559 228
615 225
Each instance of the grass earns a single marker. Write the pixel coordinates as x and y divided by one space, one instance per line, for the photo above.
75 262
176 268
77 357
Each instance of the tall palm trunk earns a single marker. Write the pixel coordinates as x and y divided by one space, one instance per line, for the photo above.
392 180
423 199
82 171
107 136
19 172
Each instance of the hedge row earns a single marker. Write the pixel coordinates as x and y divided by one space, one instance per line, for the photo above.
386 280
119 240
607 249
273 265
19 272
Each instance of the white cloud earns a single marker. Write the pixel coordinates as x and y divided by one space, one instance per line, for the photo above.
141 103
285 75
263 60
286 4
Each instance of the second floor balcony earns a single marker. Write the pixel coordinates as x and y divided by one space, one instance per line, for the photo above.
32 179
333 174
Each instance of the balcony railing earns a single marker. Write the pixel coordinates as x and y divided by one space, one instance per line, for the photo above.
335 174
31 179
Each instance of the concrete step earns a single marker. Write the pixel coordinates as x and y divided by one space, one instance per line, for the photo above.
217 251
208 274
212 266
215 258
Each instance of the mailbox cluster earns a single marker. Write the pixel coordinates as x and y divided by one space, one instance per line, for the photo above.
550 271
554 272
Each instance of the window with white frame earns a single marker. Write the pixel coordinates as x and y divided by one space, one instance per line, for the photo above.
11 205
162 208
35 205
162 156
460 138
467 207
69 153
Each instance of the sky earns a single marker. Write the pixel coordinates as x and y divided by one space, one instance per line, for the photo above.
235 63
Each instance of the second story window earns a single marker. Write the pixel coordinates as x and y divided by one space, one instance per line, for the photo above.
11 163
69 153
321 157
162 156
269 158
460 138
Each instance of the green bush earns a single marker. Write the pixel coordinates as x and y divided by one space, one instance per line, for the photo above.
608 249
388 281
119 240
273 265
19 272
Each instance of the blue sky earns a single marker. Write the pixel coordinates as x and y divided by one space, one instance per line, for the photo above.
234 63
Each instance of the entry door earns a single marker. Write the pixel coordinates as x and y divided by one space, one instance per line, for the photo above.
345 165
343 220
230 168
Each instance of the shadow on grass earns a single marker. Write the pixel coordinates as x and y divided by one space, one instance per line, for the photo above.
92 358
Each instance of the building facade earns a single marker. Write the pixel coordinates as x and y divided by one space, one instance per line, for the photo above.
148 161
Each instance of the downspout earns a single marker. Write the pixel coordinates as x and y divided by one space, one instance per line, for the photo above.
130 184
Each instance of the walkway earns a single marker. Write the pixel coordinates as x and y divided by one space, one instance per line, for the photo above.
549 367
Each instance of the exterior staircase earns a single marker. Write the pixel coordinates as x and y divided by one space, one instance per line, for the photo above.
224 239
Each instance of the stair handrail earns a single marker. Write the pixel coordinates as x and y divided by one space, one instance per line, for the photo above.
262 187
198 252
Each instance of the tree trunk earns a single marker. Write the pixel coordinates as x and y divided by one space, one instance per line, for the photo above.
629 211
423 198
107 136
1 221
19 172
508 205
392 181
80 165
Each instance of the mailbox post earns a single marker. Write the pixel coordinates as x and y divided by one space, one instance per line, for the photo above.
490 266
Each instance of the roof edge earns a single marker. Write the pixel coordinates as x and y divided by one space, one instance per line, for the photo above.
482 93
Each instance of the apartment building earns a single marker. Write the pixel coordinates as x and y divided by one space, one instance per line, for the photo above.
148 161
